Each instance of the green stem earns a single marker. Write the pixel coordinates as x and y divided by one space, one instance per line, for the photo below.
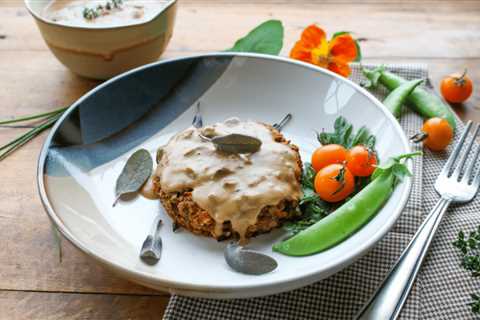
16 140
409 155
22 140
23 136
35 116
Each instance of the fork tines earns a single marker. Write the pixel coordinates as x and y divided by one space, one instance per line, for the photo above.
462 152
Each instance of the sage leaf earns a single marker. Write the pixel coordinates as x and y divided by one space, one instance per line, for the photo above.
267 38
136 171
248 261
236 143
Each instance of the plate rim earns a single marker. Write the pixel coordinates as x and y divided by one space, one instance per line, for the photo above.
183 286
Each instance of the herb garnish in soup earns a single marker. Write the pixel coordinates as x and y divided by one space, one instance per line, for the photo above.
102 13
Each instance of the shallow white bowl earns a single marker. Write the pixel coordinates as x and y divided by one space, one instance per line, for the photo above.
87 148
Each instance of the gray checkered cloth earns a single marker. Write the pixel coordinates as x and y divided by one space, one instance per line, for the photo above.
442 289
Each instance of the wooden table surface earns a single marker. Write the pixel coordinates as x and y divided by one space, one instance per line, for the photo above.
33 284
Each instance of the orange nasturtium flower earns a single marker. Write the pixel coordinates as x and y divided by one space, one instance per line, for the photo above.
313 47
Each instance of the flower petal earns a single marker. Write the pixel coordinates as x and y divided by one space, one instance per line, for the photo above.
299 52
313 36
338 67
343 48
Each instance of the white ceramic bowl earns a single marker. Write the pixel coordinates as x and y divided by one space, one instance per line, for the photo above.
103 52
87 148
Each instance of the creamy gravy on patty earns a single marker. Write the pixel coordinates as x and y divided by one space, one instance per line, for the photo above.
71 12
230 187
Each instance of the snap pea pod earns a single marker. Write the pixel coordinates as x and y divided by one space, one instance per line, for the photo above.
341 223
426 104
395 100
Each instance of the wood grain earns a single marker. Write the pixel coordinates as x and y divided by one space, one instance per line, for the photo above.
443 34
410 29
21 305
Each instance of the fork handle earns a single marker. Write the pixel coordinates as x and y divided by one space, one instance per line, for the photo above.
387 302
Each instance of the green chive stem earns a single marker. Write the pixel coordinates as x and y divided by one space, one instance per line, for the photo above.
35 116
22 140
25 135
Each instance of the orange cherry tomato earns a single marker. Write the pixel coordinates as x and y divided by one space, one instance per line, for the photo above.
361 162
456 88
334 183
438 134
328 154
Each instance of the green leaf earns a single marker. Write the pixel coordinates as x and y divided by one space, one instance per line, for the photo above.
359 52
370 142
340 33
326 138
361 137
136 171
343 131
236 143
308 176
401 171
267 38
339 123
344 135
396 166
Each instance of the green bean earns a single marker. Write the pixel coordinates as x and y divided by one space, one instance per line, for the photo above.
426 104
395 100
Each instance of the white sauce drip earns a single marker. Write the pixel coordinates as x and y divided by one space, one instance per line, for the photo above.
70 12
230 187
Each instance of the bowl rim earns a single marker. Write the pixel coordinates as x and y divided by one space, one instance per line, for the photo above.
39 17
148 279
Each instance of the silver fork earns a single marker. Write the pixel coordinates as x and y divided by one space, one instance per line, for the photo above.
455 185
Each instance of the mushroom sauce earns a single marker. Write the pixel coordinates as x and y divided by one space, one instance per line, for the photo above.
231 187
102 13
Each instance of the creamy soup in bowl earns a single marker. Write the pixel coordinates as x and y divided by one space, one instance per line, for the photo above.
102 38
102 13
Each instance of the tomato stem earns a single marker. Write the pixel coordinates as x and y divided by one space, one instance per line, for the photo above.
340 179
419 137
460 81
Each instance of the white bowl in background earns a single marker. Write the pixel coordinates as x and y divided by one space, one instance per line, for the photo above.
104 52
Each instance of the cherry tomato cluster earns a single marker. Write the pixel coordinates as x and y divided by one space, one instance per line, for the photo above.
337 168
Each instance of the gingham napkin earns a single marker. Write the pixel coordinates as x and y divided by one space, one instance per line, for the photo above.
442 288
